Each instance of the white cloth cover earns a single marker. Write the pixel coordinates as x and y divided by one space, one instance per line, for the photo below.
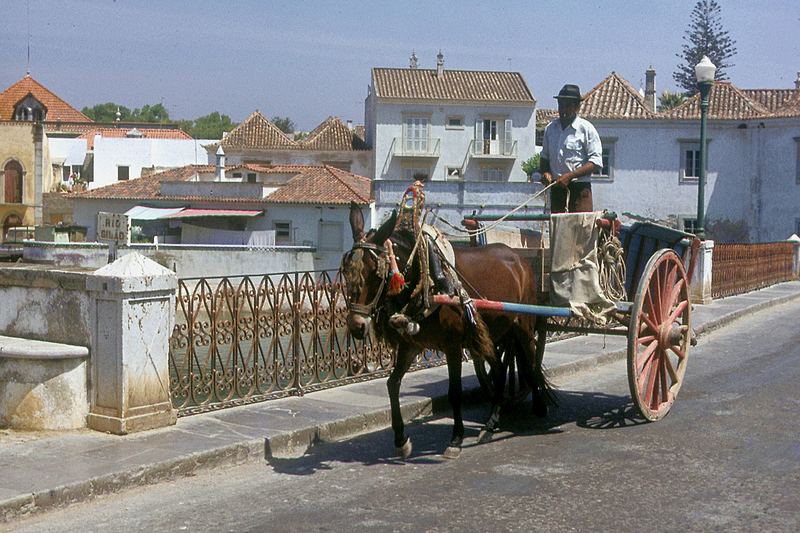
574 275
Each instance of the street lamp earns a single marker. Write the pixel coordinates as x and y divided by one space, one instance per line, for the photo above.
704 72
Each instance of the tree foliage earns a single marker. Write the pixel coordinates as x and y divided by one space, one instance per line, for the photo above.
531 165
704 37
669 100
210 126
108 113
284 124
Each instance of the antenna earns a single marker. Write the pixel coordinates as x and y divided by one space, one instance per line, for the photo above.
28 69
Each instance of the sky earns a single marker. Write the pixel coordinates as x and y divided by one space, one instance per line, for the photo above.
310 59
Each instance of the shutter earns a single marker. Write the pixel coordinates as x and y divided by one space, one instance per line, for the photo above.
507 136
477 147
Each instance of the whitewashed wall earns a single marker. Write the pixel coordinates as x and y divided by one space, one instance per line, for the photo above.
138 153
385 123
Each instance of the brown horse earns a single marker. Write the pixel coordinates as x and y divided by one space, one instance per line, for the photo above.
493 272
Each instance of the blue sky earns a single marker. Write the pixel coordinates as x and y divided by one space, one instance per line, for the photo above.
309 59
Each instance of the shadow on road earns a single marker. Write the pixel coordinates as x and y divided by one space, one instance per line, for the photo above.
588 410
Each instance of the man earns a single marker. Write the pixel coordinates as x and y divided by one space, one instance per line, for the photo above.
571 152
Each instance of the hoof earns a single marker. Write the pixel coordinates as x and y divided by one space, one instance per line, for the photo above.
485 436
404 451
452 452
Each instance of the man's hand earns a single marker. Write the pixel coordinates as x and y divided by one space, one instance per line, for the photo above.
546 179
563 180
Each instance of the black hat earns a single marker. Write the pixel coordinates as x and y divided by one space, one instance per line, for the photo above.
569 92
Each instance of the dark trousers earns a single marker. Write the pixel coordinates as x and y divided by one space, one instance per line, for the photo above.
580 198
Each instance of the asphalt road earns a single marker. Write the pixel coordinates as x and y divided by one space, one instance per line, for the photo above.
727 458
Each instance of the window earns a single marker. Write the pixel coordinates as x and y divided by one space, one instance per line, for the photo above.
283 233
331 236
412 173
65 173
251 177
492 174
690 160
123 173
237 175
607 172
416 134
455 123
453 173
689 224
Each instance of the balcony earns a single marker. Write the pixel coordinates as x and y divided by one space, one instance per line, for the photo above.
416 148
493 150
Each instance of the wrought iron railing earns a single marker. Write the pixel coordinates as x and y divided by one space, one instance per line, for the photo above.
245 339
739 268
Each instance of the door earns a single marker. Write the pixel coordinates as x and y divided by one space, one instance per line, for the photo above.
12 174
490 136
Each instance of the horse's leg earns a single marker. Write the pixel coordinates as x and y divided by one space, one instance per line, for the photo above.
498 372
405 356
534 371
454 360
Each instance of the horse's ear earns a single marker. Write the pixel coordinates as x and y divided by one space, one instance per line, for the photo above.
386 229
356 222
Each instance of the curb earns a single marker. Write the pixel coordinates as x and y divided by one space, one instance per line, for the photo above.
296 442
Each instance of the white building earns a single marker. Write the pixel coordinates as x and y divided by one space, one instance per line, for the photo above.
651 159
466 133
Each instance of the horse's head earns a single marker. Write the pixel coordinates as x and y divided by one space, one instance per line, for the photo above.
365 269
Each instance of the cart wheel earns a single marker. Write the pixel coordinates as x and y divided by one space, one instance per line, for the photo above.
516 390
658 336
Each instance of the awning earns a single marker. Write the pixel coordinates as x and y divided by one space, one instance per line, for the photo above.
198 213
141 212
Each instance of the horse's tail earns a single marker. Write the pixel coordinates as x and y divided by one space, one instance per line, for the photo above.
479 341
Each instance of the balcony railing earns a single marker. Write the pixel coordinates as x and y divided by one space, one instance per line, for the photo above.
481 149
403 148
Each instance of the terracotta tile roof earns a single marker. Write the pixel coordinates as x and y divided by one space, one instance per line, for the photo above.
146 133
614 98
332 134
460 85
726 101
57 109
324 184
772 99
545 116
312 184
257 132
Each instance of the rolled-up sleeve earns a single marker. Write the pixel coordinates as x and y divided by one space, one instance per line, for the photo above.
594 148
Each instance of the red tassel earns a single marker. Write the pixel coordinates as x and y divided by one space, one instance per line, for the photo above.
396 283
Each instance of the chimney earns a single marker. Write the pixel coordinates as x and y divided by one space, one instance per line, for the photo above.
797 82
349 124
439 65
412 61
650 89
220 164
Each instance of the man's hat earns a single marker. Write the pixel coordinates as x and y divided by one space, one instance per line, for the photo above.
569 92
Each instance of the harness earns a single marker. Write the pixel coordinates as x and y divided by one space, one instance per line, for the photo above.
378 252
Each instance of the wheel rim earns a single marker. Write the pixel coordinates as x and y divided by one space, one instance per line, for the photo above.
658 339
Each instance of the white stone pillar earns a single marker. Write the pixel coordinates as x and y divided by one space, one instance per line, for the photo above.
701 281
794 239
133 313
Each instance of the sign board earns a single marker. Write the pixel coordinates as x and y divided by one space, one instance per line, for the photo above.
114 228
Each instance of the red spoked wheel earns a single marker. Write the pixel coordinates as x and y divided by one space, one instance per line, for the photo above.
659 335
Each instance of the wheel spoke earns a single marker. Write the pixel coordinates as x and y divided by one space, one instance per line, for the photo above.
662 374
645 339
672 374
652 368
669 281
647 353
655 294
676 290
649 321
678 310
677 351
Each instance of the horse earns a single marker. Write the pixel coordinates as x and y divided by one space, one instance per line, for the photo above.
493 271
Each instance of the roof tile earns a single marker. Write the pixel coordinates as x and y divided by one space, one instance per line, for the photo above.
460 85
614 98
257 132
57 109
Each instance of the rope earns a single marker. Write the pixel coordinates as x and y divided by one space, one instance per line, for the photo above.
495 223
611 266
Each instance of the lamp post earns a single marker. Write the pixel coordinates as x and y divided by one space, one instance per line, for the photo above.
704 72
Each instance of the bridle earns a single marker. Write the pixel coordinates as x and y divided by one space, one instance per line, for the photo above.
379 254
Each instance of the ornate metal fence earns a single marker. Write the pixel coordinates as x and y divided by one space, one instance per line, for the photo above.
739 268
251 338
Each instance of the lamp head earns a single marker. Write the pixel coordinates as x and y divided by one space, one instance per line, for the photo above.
704 71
